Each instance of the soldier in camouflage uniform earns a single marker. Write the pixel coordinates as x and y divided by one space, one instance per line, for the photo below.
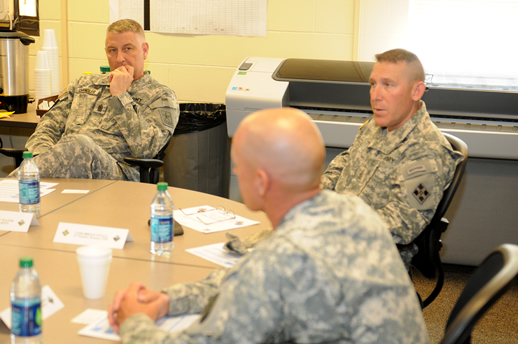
399 163
329 273
101 119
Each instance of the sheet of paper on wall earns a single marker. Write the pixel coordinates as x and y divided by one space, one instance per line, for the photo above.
27 8
207 219
9 191
208 17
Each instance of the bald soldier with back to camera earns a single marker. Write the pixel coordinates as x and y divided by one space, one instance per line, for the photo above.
329 273
399 163
101 119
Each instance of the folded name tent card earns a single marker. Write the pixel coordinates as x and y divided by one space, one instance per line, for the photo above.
50 304
15 221
86 235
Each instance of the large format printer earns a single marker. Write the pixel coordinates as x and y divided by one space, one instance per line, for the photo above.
336 96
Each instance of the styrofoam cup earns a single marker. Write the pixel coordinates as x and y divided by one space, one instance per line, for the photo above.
94 264
42 83
49 38
53 56
42 60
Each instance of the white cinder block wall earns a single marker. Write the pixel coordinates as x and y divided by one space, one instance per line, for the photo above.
199 68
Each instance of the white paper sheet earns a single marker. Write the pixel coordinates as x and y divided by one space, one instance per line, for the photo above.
27 8
89 316
101 327
206 219
9 190
216 254
197 17
75 191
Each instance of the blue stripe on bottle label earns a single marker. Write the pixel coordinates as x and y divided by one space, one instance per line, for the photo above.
161 229
30 192
26 317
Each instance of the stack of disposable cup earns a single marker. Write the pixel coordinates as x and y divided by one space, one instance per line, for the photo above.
42 76
94 264
51 47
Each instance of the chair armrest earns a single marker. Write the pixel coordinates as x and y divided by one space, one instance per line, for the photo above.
148 168
12 152
15 153
148 163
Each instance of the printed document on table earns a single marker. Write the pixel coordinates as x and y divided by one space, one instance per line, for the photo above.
9 190
101 328
207 219
216 254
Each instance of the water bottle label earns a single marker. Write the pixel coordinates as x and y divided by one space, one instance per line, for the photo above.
26 318
161 229
30 192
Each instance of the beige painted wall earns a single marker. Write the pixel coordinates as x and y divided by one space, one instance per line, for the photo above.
199 68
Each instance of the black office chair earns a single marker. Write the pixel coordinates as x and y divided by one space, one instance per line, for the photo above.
149 168
494 276
428 261
15 153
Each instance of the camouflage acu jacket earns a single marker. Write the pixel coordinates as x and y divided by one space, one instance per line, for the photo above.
330 273
401 174
135 123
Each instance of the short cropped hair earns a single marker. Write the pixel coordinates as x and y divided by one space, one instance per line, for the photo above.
402 55
126 25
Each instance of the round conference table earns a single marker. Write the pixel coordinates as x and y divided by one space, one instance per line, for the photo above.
117 204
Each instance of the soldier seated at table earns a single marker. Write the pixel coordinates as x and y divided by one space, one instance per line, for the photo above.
399 163
102 118
329 273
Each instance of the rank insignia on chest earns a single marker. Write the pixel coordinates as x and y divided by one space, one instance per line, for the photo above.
421 193
100 108
138 100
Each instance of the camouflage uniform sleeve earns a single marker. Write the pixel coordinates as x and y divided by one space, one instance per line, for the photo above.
417 190
333 171
247 291
52 125
147 128
193 297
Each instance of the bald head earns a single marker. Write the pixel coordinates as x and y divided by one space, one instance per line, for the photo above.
286 144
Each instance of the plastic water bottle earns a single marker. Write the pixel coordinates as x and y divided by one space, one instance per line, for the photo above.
162 222
29 183
26 314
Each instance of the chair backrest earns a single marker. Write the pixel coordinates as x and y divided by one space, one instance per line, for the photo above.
489 282
460 146
427 260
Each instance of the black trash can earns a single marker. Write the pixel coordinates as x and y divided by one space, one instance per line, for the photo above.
198 156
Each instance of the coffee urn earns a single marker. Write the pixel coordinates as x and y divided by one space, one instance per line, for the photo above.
14 67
